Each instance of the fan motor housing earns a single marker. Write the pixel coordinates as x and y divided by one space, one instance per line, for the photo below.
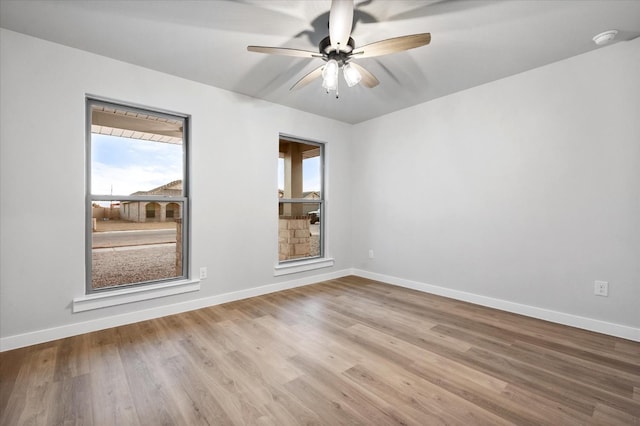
329 53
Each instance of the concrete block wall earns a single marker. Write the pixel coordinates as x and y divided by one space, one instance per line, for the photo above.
294 237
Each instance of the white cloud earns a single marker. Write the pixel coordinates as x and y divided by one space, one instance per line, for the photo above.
123 166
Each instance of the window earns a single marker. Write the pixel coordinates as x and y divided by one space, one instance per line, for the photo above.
137 196
301 207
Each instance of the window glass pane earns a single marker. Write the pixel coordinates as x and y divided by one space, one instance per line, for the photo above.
299 170
300 224
123 166
138 199
299 234
125 252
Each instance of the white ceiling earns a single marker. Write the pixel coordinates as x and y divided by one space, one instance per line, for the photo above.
473 42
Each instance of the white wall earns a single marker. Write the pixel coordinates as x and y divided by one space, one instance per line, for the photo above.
233 173
525 190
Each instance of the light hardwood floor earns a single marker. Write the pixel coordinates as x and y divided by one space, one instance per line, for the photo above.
346 351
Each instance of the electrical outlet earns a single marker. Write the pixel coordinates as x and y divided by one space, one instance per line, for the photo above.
370 253
601 288
203 273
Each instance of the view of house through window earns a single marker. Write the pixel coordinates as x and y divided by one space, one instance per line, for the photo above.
301 200
136 229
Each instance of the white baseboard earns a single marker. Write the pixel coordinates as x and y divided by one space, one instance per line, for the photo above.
54 333
590 324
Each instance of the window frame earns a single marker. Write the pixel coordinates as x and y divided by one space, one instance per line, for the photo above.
90 198
293 264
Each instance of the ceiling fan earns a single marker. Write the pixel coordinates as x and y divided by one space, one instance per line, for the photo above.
338 49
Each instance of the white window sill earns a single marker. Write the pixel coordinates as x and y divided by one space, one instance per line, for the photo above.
302 266
133 294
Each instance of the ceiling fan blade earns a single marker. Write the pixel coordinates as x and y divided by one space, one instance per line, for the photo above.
308 78
284 51
340 23
392 45
368 79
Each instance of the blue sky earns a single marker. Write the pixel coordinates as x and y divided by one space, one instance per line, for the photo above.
131 165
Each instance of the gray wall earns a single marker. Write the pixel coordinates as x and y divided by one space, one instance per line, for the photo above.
526 189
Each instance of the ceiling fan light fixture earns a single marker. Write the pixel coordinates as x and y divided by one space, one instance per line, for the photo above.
329 84
330 75
351 75
331 69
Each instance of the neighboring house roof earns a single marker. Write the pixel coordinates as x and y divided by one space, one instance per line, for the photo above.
172 189
312 195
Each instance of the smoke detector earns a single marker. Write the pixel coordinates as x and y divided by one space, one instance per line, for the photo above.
605 37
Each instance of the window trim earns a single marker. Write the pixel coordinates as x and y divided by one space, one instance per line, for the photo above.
130 294
154 285
302 265
291 266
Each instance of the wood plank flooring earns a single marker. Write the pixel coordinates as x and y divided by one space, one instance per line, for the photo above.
346 351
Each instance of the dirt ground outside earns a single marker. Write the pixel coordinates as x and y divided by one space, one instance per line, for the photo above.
131 265
113 265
